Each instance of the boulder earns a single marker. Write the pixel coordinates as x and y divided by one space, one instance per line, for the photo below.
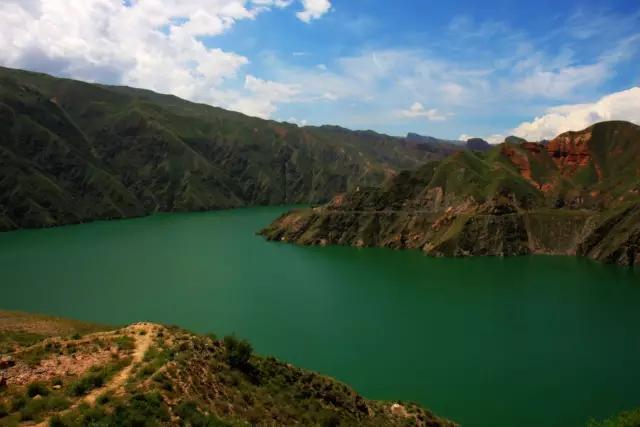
7 362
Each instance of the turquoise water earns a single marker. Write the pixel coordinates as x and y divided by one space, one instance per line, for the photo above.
531 341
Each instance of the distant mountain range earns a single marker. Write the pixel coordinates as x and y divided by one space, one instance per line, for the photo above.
73 152
578 194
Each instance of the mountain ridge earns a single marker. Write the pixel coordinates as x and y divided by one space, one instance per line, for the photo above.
72 152
577 195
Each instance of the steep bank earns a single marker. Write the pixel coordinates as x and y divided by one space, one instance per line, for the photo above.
73 152
153 375
577 195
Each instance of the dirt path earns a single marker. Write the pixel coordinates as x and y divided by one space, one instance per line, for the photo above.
143 338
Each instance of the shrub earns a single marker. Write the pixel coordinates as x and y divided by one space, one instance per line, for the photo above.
191 416
35 407
124 343
238 352
37 388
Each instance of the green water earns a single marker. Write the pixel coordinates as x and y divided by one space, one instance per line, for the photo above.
533 341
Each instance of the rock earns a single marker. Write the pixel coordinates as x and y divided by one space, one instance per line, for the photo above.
7 362
399 410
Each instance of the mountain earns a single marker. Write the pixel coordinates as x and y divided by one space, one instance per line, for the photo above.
421 139
477 144
65 373
577 195
449 146
73 152
514 140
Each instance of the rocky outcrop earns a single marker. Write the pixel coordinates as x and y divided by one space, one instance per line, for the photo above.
518 199
570 151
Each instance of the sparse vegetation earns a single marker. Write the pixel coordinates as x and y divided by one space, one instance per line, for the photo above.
203 382
96 377
625 419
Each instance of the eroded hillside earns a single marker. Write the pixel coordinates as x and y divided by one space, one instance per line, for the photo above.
577 195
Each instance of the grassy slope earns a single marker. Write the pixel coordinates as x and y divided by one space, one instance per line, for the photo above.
72 151
179 379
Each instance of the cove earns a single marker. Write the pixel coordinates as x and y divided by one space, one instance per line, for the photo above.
530 341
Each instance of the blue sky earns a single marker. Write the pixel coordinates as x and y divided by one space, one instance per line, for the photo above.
448 69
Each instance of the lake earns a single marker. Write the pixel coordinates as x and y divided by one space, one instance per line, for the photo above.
529 341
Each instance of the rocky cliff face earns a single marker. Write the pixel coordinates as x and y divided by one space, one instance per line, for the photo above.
516 199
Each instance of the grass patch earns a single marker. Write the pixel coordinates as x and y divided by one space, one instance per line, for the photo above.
36 408
142 409
125 343
9 340
96 377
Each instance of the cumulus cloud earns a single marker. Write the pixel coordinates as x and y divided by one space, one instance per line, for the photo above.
150 43
154 44
313 9
417 110
624 105
265 95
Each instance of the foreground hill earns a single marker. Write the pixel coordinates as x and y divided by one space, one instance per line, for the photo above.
579 194
65 373
72 152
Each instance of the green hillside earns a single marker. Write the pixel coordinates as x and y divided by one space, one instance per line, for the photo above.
577 195
73 151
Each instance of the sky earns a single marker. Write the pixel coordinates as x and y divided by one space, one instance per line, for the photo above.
450 69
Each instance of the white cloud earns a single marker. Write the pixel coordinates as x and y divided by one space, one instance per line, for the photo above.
265 95
154 44
299 123
624 105
561 82
313 9
492 139
149 43
417 110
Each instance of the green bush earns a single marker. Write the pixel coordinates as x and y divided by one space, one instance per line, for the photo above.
36 407
37 388
125 343
138 411
191 416
238 352
87 383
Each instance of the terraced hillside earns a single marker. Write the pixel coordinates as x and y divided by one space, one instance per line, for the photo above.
55 372
577 195
72 152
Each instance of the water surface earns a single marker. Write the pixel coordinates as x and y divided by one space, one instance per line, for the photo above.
531 341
